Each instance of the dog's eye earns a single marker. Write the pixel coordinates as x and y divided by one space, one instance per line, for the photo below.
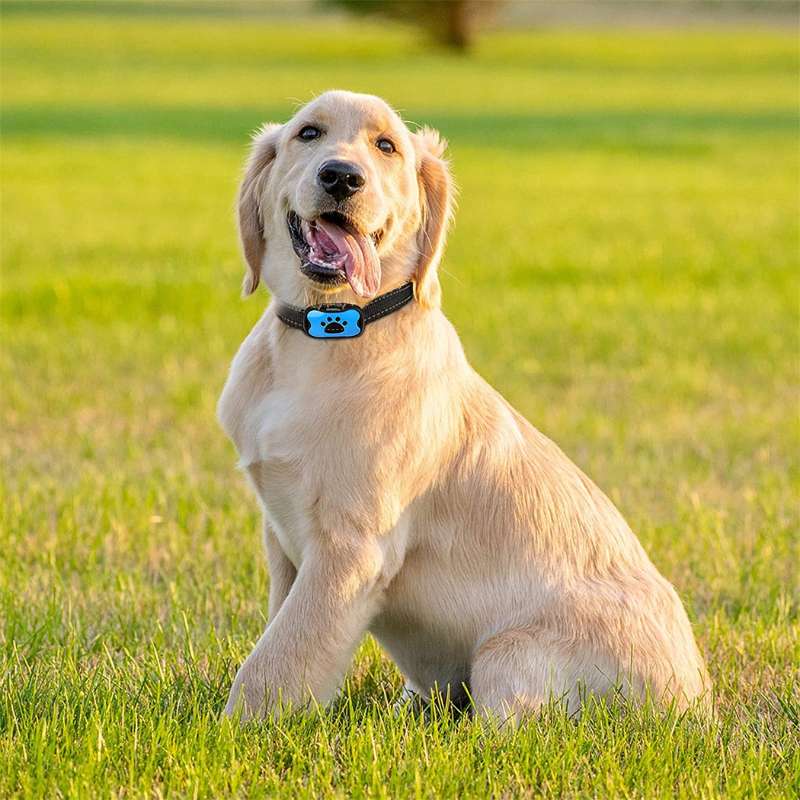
385 146
309 133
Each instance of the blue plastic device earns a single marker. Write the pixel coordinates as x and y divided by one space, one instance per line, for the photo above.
334 321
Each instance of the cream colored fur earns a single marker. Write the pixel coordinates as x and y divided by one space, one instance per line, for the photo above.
401 494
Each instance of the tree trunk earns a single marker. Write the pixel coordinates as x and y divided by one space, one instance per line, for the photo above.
457 31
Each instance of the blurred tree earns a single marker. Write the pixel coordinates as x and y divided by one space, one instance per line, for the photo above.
452 22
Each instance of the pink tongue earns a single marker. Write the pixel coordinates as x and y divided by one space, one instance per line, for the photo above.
361 264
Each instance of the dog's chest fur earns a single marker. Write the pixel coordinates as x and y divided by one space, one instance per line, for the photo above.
319 440
269 418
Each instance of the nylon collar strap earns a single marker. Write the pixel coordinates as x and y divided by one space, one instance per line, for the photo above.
343 320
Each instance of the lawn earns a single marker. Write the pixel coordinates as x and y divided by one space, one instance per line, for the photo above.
624 269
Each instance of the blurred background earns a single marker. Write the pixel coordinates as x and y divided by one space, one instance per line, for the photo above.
624 268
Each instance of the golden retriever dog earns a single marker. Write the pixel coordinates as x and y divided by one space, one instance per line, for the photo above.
401 494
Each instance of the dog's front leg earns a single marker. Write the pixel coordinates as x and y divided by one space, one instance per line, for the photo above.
306 648
281 572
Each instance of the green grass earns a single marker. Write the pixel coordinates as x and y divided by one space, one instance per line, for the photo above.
624 269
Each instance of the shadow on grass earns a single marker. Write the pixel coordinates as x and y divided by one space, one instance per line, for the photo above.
668 131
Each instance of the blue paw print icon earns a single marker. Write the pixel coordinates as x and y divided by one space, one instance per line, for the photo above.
334 322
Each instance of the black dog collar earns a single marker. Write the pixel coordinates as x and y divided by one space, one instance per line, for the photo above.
343 320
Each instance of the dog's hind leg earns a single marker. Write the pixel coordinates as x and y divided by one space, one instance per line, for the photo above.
516 672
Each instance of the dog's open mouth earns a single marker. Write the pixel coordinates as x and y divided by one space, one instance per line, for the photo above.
332 251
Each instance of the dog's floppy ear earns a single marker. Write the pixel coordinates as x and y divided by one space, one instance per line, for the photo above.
251 227
436 200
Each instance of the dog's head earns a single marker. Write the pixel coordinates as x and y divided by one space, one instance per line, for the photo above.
344 199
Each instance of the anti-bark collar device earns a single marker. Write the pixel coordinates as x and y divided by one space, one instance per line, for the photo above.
343 320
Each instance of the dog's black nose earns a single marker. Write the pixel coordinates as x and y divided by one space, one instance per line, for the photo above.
340 179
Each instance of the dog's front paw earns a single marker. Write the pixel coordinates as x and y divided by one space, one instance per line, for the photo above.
244 704
252 695
257 692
